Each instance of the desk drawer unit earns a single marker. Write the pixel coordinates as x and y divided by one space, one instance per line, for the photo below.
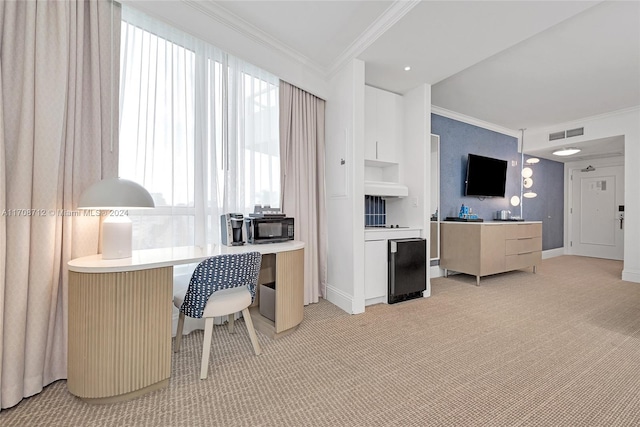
521 231
523 246
516 262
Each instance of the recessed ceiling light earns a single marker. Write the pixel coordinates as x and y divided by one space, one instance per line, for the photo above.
566 151
407 68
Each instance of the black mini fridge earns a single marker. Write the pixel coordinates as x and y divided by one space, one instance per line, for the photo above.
407 269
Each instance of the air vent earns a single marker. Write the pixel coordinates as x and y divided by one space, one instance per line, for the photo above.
575 132
556 135
566 134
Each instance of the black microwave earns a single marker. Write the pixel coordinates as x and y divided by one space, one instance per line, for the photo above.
268 230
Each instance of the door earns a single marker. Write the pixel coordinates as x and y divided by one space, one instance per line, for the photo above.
375 269
597 222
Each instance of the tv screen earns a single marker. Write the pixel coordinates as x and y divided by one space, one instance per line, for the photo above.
486 177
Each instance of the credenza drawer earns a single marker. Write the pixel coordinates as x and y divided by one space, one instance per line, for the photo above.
520 246
515 262
522 231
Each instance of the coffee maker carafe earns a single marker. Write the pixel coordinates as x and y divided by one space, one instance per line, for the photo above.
231 226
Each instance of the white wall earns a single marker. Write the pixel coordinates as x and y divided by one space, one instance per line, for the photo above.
415 158
416 161
345 188
198 20
626 123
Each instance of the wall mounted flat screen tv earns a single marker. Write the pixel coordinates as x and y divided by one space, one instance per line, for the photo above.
486 177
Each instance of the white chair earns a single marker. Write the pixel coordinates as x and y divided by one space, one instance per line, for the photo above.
220 286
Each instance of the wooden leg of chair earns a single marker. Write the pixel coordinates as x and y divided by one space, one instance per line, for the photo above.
206 347
176 345
252 332
232 319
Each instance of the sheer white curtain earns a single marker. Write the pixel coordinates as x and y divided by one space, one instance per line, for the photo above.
198 129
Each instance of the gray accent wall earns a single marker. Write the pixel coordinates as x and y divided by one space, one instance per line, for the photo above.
458 139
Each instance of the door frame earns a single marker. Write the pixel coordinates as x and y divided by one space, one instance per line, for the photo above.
569 167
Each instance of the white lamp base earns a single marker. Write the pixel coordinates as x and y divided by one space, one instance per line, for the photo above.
116 237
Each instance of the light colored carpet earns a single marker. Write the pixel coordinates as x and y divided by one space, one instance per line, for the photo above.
557 348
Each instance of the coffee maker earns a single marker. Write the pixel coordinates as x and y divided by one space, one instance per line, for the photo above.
231 226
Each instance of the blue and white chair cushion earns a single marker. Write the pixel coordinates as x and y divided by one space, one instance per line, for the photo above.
217 273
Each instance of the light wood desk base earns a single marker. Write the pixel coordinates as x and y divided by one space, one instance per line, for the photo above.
119 333
120 315
286 269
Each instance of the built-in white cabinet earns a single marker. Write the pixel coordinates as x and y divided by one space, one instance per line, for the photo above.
383 125
376 261
375 270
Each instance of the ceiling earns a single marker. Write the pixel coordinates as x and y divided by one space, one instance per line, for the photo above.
515 64
594 149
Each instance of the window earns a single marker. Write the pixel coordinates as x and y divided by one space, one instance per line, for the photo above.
198 129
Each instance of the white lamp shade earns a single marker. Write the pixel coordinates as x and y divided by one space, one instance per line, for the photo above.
112 194
116 237
515 201
528 183
115 193
527 172
530 194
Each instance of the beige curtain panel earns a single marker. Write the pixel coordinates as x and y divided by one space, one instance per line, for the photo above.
302 142
59 68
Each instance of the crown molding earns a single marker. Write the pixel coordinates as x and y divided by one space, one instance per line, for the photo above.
228 19
473 121
583 120
389 17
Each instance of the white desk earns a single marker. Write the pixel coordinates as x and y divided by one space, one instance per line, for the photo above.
120 310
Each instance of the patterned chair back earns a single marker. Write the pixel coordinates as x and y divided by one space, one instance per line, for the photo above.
217 273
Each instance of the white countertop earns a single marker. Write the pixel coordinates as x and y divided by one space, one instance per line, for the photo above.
379 233
490 222
166 257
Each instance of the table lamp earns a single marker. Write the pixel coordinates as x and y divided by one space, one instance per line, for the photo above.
116 195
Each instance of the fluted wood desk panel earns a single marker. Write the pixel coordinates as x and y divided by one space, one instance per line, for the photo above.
120 333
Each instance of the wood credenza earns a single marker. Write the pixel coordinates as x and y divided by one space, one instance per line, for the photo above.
119 344
484 248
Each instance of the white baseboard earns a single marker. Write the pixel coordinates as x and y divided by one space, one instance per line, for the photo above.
341 300
552 253
372 301
435 271
631 276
